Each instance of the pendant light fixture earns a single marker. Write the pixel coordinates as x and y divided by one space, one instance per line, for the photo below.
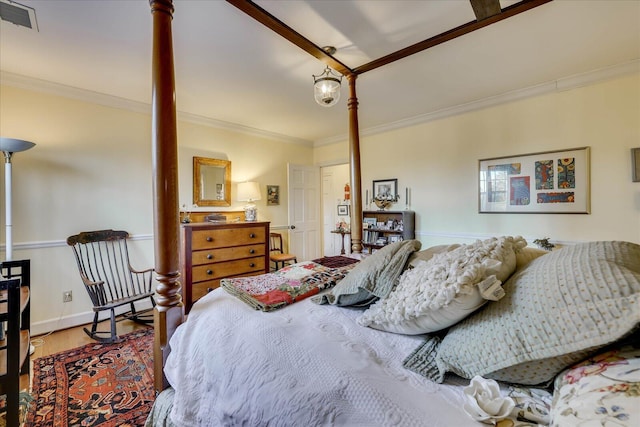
326 86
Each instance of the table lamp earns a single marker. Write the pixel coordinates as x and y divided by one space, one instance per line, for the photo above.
249 192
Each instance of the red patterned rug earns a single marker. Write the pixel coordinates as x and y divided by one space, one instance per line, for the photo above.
103 385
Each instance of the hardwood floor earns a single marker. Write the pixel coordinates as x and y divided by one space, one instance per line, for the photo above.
67 339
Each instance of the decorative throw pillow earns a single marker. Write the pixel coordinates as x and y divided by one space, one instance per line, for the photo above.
440 292
560 308
602 390
427 254
526 255
371 278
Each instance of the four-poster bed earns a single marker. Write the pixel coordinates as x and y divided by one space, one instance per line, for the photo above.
166 210
245 369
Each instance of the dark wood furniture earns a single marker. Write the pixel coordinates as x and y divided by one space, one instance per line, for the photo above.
15 310
213 251
103 263
390 233
342 233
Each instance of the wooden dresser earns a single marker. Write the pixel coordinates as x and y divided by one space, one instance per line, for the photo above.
212 251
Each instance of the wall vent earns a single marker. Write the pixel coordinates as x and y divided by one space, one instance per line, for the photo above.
18 14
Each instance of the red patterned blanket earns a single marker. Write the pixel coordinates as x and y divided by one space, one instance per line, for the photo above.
268 292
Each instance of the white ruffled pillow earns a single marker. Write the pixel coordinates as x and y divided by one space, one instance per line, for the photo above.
440 292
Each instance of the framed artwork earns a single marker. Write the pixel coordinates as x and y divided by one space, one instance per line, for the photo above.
343 210
385 189
369 222
547 182
273 195
635 164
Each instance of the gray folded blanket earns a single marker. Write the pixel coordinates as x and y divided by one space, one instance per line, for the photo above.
373 278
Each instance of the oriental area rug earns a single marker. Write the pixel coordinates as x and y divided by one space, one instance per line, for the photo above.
97 385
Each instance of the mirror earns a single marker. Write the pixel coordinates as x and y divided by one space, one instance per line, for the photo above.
211 182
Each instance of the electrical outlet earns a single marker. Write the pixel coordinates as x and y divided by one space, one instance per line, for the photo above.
67 296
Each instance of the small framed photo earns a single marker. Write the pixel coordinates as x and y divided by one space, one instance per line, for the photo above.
343 210
273 195
385 189
635 164
370 222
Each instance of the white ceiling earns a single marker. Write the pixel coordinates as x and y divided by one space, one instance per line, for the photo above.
229 68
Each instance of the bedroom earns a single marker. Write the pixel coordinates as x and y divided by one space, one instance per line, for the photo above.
68 182
57 196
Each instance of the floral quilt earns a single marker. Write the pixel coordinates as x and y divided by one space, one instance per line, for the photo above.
268 292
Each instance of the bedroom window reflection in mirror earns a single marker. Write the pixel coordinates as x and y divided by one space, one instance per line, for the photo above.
211 182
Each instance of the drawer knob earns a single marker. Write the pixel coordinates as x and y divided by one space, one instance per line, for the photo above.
209 239
252 251
252 265
209 256
252 235
209 272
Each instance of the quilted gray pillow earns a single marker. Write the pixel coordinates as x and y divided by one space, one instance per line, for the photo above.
557 310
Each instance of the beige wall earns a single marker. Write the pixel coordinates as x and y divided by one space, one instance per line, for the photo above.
91 169
438 161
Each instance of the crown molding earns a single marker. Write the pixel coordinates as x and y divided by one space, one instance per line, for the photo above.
44 86
559 85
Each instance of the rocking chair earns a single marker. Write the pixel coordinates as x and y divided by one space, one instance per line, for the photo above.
103 261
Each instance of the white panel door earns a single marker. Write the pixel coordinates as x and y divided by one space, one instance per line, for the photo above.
328 214
305 222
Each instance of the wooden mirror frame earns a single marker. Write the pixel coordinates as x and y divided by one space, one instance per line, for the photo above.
198 191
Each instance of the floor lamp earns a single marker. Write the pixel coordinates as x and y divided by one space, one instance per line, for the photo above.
9 146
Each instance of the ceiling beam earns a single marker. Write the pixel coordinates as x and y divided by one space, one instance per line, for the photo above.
507 12
486 6
273 23
484 9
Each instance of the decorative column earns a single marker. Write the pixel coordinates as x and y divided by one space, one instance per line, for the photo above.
354 164
168 313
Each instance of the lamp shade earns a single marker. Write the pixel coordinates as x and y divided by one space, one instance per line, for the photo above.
11 145
248 191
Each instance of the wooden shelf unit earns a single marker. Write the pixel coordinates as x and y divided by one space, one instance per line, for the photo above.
371 234
15 311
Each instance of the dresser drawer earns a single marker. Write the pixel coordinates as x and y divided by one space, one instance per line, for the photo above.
226 254
220 270
209 239
198 290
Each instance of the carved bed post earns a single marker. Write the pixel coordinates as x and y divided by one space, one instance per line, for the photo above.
354 165
168 313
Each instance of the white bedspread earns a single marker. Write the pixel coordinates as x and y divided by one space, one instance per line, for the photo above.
304 365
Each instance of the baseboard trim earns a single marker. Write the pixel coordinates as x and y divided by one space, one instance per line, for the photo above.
73 320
